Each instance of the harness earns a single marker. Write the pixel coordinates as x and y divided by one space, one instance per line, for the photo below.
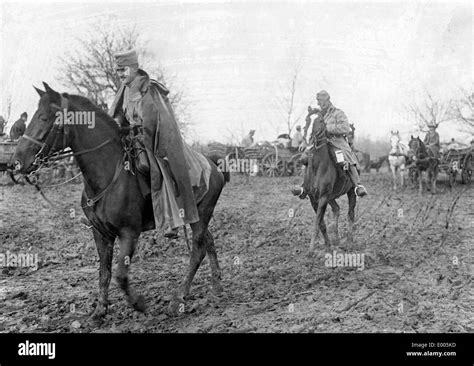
48 153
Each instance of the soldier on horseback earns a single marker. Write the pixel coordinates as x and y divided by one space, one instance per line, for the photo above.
338 128
142 106
432 140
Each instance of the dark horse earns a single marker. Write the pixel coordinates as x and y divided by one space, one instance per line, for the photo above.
327 182
424 160
112 199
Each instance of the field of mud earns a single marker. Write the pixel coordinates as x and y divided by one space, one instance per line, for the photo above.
416 275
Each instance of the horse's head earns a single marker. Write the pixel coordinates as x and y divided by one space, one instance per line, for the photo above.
417 147
42 136
394 139
319 132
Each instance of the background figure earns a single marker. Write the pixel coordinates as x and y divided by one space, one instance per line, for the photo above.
2 125
432 140
248 140
19 127
297 138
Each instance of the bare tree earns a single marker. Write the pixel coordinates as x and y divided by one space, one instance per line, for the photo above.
431 111
287 101
463 110
90 70
9 102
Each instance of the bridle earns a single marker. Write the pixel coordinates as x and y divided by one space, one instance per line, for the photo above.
396 145
48 152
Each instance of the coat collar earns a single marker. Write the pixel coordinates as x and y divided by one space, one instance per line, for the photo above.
140 83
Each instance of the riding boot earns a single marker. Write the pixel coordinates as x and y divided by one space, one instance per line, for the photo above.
354 174
171 233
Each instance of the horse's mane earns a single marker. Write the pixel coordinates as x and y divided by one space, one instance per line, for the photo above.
88 105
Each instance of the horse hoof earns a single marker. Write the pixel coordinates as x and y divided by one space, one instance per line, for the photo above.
216 287
176 307
140 303
97 318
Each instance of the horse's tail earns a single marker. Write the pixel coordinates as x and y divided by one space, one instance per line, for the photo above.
221 164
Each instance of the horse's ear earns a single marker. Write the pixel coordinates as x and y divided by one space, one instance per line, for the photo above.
39 91
53 95
49 90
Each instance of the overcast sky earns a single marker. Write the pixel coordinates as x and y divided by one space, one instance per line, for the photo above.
235 60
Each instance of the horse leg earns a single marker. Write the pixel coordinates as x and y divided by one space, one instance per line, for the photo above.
420 181
322 205
315 233
352 200
336 211
434 177
198 252
394 176
216 273
402 173
105 250
128 242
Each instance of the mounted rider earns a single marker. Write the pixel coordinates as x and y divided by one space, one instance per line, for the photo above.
19 127
432 140
142 106
337 128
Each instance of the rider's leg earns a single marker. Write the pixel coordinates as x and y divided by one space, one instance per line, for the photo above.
355 178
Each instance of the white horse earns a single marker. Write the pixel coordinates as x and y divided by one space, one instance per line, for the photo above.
397 157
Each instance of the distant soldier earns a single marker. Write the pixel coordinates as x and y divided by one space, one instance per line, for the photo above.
453 145
19 127
2 125
337 128
248 140
432 140
297 138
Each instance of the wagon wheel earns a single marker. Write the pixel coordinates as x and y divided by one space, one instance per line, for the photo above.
272 166
295 166
466 173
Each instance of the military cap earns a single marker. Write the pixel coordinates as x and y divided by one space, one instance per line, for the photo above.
126 58
323 94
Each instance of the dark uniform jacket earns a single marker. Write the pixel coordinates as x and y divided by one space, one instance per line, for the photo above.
18 129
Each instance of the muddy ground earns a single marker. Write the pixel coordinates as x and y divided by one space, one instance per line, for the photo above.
417 274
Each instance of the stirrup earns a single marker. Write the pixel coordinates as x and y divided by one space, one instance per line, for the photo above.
360 186
301 194
172 233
